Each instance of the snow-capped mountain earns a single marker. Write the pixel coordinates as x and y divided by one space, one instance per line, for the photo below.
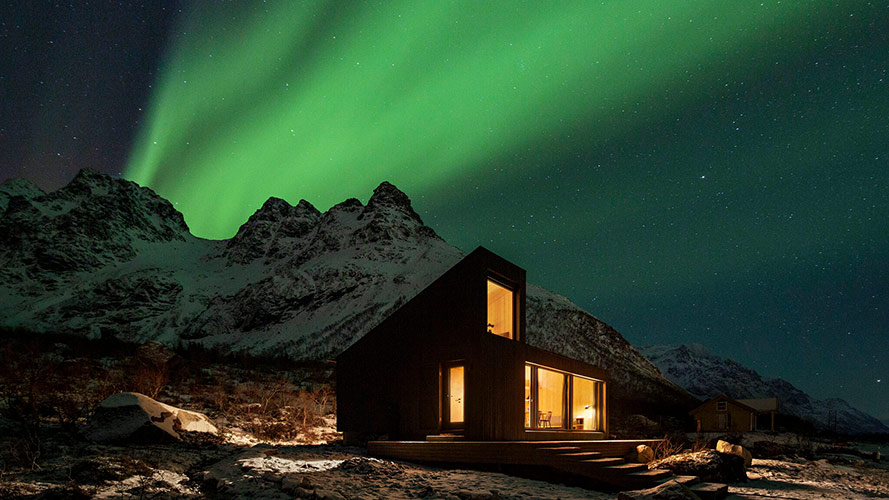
706 375
105 257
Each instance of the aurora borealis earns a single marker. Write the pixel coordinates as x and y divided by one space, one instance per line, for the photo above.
328 98
685 171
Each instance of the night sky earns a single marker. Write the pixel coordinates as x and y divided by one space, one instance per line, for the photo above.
707 172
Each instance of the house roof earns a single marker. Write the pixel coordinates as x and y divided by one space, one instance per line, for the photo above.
723 397
761 404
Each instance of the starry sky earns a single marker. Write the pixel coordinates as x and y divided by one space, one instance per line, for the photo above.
689 172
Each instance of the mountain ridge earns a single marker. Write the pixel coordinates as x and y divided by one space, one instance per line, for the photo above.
293 281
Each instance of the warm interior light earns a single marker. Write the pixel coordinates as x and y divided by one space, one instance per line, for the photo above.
500 310
550 398
455 394
583 403
527 396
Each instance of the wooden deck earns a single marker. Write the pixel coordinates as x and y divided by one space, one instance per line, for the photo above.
499 452
599 462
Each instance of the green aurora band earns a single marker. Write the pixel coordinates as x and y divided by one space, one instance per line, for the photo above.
323 100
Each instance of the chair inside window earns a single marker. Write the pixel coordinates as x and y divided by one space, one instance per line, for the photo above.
544 419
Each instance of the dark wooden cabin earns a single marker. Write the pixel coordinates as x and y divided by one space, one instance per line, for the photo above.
722 413
453 361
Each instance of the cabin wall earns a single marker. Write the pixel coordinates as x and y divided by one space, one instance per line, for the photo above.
708 416
387 382
495 390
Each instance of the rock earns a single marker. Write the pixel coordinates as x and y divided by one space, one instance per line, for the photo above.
735 449
671 490
300 492
328 495
130 416
771 449
709 465
642 454
98 469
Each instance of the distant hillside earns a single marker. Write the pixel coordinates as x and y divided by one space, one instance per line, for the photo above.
706 375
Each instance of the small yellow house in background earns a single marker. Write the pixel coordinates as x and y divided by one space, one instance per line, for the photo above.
723 413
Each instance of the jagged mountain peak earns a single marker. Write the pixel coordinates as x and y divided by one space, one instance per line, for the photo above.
18 187
99 218
278 208
347 205
276 229
302 232
88 176
387 196
697 350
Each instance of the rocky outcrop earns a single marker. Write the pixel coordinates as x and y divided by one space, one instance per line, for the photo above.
134 417
735 449
708 465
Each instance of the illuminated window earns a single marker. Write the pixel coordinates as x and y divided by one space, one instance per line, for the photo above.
528 401
583 404
550 398
500 310
550 405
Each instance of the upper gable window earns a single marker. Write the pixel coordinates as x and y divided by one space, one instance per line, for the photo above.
721 406
501 316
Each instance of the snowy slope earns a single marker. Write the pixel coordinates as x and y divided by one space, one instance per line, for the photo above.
105 257
706 375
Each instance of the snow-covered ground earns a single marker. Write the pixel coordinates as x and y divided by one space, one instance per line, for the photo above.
336 472
814 479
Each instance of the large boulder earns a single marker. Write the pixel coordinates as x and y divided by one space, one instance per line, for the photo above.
735 449
709 465
134 417
641 454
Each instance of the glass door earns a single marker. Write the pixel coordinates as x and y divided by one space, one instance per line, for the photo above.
453 393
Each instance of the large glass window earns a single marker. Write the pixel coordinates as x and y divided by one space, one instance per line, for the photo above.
583 404
550 398
560 400
500 310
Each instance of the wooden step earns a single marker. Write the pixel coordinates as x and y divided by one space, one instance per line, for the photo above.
686 480
445 437
602 462
710 491
580 455
559 449
625 468
653 475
